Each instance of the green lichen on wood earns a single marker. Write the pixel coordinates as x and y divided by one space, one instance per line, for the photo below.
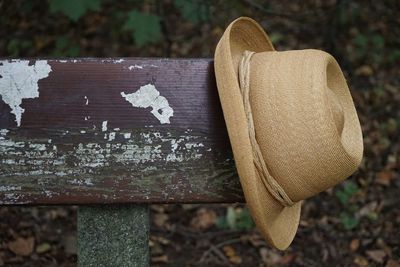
113 236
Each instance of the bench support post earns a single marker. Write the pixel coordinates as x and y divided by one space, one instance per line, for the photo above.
113 236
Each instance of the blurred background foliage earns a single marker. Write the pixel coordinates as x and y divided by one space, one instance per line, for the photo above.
356 223
172 28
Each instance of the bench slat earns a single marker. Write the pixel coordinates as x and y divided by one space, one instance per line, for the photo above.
88 133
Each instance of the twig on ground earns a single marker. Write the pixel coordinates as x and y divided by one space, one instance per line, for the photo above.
217 252
215 249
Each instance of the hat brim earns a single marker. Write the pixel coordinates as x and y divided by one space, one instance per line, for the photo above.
277 223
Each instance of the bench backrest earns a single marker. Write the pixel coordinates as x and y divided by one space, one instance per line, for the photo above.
82 131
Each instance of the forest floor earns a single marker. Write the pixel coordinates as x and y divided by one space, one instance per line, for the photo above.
357 223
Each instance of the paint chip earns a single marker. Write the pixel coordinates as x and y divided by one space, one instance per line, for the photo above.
19 80
135 67
148 96
111 136
104 126
3 133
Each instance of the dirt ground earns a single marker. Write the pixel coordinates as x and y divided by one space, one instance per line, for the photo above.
357 223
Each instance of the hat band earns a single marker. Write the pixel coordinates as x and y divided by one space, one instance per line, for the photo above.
270 183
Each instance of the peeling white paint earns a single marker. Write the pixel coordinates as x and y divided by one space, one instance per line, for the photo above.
49 193
61 173
136 150
6 188
19 81
174 145
149 96
112 60
83 131
10 198
8 161
117 129
135 67
37 147
193 145
3 133
111 136
147 135
104 126
87 100
63 61
85 181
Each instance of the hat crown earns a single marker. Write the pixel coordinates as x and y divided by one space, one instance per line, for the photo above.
304 120
291 121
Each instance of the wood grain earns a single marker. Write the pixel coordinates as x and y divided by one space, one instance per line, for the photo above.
61 153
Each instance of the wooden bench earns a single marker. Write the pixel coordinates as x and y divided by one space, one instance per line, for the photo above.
99 132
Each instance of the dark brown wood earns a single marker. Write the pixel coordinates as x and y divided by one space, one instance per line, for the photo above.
62 154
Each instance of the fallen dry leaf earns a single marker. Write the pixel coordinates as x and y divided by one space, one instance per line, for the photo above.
364 70
392 263
360 261
157 249
270 257
160 259
163 241
354 244
160 219
385 247
205 218
384 177
158 208
43 248
22 246
287 258
230 252
235 259
368 209
376 255
256 240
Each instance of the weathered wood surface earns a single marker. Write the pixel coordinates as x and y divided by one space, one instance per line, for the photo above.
115 236
77 131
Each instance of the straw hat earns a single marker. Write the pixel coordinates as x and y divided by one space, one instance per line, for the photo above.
291 121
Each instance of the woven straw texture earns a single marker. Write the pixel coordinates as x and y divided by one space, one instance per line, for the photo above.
299 114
